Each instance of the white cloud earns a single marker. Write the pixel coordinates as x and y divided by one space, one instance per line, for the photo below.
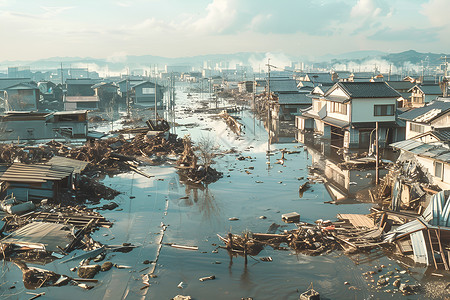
220 15
51 11
259 20
437 11
365 9
123 4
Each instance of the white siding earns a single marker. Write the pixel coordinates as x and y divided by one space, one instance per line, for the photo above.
411 134
428 163
363 109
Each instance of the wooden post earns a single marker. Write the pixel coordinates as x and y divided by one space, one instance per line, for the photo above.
245 247
377 158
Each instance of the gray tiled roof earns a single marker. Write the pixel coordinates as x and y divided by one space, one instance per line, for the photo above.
366 90
431 89
294 98
442 134
283 85
320 77
417 112
400 85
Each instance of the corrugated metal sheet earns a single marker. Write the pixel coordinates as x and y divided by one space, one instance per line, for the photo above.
77 165
437 212
37 173
405 229
47 235
395 204
419 247
421 149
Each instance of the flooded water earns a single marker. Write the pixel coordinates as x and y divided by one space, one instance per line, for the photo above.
194 216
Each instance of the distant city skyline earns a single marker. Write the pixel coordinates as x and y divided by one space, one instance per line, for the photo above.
176 28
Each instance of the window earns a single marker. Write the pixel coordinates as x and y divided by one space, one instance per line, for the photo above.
339 108
147 91
439 169
383 110
417 128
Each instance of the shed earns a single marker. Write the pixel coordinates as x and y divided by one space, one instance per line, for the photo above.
36 181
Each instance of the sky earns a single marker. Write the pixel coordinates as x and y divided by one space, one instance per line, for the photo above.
35 29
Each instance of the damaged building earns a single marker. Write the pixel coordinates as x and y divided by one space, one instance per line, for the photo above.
37 126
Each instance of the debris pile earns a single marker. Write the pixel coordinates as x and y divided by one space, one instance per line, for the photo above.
190 171
234 125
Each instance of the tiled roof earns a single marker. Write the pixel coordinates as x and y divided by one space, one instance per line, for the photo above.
283 85
431 89
294 98
366 90
400 85
413 114
320 77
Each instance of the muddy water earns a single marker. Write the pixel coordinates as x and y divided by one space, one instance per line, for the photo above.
194 216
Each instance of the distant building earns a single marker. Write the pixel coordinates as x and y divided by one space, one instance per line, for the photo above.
146 93
80 87
105 92
22 97
19 72
423 94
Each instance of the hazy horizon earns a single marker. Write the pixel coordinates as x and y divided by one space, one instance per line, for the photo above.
112 30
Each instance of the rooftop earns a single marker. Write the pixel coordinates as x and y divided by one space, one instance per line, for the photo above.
426 113
365 90
435 151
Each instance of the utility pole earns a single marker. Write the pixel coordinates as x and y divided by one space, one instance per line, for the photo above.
128 95
377 157
445 80
268 97
390 69
156 111
62 76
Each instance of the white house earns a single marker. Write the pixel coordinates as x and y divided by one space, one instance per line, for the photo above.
346 114
423 119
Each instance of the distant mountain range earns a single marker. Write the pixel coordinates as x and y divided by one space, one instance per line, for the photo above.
246 58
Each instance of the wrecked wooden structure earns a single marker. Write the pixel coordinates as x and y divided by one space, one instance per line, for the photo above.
234 125
35 182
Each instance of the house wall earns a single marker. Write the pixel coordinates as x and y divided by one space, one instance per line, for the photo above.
303 123
69 106
148 99
429 98
23 100
320 126
429 164
23 130
410 134
442 121
363 109
80 90
42 129
353 138
336 115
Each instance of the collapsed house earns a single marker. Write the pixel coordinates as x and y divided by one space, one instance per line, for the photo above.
426 239
36 181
